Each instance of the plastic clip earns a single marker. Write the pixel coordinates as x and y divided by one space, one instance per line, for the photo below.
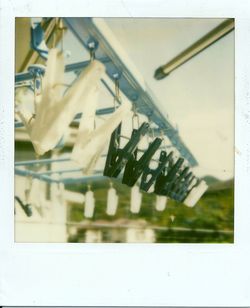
117 158
181 186
154 173
134 168
26 207
164 182
38 40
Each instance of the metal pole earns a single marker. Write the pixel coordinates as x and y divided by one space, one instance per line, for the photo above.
207 40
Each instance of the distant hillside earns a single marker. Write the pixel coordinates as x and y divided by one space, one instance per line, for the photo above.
210 179
221 185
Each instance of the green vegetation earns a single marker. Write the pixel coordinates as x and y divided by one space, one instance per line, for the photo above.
214 212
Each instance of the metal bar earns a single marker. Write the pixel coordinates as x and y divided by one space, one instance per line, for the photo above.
93 225
41 161
84 179
20 77
35 175
48 179
60 171
204 42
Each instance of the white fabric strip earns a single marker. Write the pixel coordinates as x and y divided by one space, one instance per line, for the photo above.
95 142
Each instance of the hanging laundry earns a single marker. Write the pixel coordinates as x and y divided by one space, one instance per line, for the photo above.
112 202
55 111
97 140
89 204
86 127
195 194
135 200
161 202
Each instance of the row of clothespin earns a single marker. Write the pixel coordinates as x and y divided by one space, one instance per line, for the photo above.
169 178
113 201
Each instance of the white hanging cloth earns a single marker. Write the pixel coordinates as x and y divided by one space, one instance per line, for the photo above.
86 127
88 148
55 111
89 204
135 200
161 202
112 202
195 194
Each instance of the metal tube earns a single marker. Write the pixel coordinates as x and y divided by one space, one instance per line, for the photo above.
35 175
21 77
207 40
41 161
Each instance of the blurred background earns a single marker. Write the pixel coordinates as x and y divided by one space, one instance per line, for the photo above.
197 99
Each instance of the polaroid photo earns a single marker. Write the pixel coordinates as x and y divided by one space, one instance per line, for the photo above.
125 153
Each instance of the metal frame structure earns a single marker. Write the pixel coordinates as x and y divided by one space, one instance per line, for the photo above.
88 31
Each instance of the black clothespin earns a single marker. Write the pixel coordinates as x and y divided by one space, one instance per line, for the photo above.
187 188
116 157
26 207
163 182
180 186
134 168
163 160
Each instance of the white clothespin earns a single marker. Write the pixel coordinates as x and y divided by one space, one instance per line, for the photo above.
161 202
112 201
135 199
89 204
195 194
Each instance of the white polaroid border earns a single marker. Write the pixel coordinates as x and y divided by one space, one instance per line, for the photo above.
126 274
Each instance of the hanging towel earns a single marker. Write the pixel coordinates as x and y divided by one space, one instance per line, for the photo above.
195 194
135 199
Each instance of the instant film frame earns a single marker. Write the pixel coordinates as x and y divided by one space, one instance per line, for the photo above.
53 201
70 274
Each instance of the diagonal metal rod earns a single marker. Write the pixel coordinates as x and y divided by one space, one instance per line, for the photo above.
207 40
